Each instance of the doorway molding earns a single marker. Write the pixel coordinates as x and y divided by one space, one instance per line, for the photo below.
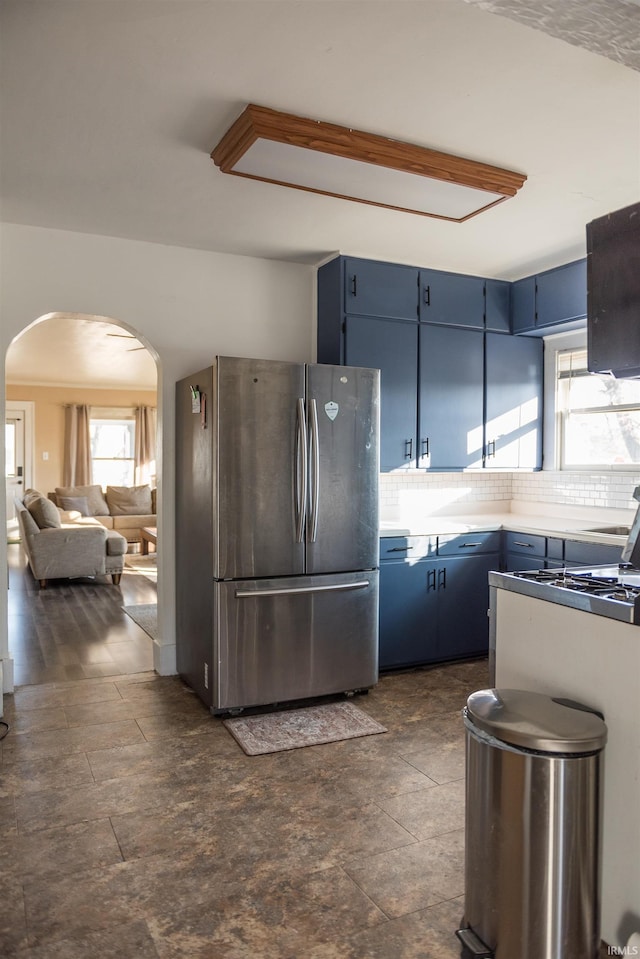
163 654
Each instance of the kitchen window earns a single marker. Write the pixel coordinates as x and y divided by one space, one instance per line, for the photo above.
598 416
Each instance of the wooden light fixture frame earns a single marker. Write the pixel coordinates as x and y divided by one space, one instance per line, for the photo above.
258 122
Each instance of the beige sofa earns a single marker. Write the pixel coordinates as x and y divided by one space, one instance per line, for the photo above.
59 550
122 508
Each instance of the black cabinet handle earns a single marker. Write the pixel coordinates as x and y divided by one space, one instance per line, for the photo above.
518 543
399 549
468 545
354 285
425 447
408 449
491 449
442 578
427 296
431 580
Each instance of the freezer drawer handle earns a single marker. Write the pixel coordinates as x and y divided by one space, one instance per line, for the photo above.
246 593
301 471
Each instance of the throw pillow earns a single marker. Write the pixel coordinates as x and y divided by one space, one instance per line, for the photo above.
129 500
95 498
79 503
44 512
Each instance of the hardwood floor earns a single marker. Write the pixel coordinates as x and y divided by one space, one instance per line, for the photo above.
75 629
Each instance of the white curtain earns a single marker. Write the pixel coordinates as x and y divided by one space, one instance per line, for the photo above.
77 446
145 451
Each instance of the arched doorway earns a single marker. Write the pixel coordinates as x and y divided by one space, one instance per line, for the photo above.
62 359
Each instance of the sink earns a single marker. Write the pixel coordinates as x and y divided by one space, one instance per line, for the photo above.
612 530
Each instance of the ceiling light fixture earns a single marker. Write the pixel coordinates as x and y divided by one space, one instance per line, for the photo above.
264 144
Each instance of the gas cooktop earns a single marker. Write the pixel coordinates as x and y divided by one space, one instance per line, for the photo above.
620 582
612 591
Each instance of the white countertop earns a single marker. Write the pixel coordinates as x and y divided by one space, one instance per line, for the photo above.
541 519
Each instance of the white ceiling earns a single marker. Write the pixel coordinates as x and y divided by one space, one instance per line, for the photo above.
110 109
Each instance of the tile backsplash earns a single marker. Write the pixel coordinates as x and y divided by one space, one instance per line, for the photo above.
405 495
612 490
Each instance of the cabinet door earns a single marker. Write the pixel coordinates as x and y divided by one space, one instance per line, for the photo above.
380 289
497 306
451 391
513 402
516 562
391 347
451 298
463 605
590 554
523 305
561 294
408 613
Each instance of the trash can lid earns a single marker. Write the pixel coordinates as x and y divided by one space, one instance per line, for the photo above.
535 721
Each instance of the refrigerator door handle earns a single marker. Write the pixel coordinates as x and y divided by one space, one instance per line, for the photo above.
288 591
301 471
314 460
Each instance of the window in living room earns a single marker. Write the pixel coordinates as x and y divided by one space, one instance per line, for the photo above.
112 434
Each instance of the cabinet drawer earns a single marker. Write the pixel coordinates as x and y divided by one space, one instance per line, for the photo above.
413 548
525 543
485 542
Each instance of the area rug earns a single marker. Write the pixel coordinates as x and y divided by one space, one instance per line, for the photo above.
145 565
294 728
146 616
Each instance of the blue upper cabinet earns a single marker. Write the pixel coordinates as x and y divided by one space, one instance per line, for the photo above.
561 294
391 347
380 289
513 402
523 305
553 301
452 299
450 398
497 306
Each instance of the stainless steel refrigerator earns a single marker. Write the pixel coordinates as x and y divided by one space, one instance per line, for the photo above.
277 531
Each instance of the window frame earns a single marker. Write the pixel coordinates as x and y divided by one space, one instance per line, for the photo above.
562 412
115 415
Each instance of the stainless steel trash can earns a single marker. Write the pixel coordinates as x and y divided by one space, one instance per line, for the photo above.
534 768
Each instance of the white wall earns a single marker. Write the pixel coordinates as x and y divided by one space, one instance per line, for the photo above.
185 305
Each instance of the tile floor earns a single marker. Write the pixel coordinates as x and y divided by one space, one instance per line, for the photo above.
133 826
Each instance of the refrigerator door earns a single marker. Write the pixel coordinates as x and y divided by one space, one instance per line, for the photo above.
277 640
343 426
260 468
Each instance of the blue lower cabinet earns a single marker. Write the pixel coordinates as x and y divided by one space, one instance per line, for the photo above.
463 605
433 609
591 554
408 614
515 562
